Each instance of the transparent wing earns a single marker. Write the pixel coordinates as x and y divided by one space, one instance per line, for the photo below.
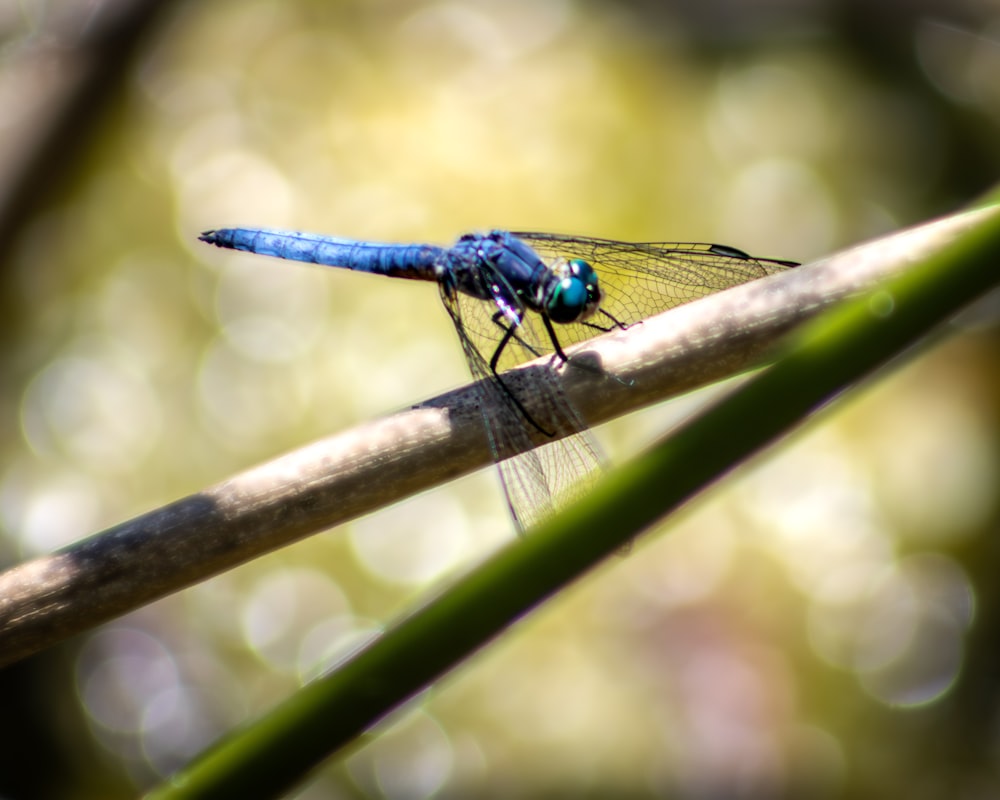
536 481
641 279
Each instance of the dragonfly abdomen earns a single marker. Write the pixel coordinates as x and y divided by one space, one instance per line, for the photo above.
397 260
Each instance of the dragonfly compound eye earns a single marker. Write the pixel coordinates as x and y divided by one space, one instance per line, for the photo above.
576 296
567 301
582 271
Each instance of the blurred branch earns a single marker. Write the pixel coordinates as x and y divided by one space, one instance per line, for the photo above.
339 478
833 353
64 78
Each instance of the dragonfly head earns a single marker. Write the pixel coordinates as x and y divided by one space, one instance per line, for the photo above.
574 294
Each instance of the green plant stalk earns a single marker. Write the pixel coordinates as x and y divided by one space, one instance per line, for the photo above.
829 355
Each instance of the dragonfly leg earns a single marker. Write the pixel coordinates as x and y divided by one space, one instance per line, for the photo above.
617 323
509 333
587 367
555 341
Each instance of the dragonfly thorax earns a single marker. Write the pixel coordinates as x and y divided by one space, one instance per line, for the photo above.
573 293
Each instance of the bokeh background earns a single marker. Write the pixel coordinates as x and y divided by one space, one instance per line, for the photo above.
823 625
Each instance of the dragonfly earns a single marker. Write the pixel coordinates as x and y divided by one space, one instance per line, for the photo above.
517 296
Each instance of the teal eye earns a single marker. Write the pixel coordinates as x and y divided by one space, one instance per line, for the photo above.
583 272
575 295
567 301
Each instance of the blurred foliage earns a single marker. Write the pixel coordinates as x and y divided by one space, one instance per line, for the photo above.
822 628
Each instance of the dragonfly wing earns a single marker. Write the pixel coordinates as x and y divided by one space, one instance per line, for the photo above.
645 278
536 480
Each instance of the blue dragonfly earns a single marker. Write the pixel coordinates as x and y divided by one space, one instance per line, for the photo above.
517 296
